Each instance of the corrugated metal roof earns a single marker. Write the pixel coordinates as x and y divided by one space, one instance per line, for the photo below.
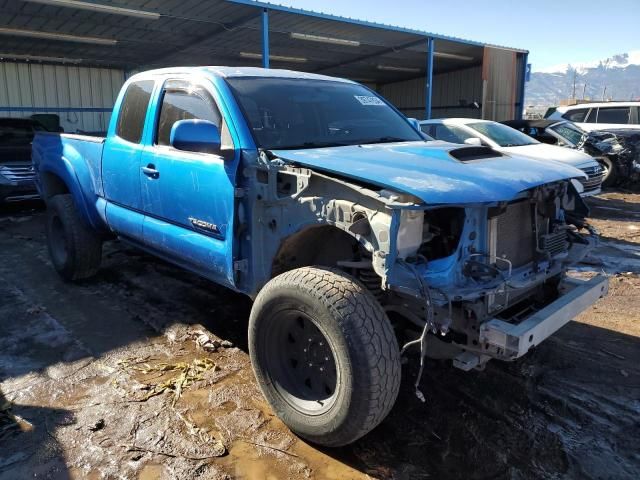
355 21
205 32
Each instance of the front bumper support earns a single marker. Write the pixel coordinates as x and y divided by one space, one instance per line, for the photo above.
510 341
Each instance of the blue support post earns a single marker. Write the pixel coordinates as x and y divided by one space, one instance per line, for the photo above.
265 38
523 80
428 90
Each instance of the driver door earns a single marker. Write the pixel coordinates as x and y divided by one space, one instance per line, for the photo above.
188 197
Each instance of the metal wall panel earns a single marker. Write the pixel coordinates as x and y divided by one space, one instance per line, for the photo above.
500 83
454 94
81 96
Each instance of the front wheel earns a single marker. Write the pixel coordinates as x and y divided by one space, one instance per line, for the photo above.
610 172
324 354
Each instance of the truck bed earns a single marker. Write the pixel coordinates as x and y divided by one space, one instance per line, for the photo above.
74 159
82 152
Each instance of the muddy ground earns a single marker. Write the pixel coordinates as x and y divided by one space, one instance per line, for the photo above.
90 374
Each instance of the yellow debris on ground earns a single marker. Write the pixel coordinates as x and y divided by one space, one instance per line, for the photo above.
186 373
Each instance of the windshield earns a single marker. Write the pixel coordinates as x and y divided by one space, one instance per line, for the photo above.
288 113
569 132
501 134
446 133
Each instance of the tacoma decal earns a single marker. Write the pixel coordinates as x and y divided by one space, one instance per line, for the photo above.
203 225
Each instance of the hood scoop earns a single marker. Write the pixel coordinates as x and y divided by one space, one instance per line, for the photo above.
469 154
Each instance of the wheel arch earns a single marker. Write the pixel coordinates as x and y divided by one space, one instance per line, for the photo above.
63 179
52 184
323 245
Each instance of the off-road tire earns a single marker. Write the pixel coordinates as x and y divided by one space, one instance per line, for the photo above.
360 336
611 177
75 249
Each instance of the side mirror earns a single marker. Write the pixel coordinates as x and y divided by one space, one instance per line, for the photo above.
476 142
195 136
415 124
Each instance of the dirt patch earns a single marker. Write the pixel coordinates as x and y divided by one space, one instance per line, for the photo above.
617 216
77 363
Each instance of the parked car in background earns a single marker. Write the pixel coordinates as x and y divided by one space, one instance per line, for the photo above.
319 200
16 171
617 150
553 132
599 116
513 142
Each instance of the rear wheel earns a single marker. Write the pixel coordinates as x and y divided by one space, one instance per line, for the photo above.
324 354
74 248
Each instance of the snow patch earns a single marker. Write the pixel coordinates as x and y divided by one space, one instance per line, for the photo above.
621 60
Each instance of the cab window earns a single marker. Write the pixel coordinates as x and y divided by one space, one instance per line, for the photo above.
614 115
181 101
577 115
133 110
592 116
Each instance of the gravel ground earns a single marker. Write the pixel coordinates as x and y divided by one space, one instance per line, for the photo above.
126 376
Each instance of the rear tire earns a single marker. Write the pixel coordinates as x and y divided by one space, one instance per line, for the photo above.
324 354
75 249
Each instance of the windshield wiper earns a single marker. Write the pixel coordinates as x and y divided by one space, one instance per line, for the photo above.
366 141
304 145
383 140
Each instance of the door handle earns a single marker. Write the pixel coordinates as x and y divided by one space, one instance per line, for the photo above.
150 171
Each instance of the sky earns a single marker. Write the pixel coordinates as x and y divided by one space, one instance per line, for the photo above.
555 32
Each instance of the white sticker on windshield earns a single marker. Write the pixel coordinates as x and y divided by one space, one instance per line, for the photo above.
369 100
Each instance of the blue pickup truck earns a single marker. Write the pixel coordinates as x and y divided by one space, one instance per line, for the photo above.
346 226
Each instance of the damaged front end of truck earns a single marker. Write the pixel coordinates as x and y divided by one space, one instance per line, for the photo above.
489 281
475 280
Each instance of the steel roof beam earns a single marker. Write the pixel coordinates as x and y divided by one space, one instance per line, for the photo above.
208 36
265 38
370 55
428 85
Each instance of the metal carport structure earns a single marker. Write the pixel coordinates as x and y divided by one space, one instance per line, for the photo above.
423 73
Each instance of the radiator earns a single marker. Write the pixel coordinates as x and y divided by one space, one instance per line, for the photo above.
514 234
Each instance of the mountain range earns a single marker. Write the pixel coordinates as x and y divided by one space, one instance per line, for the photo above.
614 78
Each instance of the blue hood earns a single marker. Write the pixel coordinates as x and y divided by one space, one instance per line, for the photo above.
427 171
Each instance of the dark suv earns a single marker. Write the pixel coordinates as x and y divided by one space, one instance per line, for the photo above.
16 172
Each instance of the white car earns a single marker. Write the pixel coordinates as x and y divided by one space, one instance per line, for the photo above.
600 116
508 140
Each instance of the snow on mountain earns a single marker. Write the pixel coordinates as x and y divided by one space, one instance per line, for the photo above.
614 78
616 61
